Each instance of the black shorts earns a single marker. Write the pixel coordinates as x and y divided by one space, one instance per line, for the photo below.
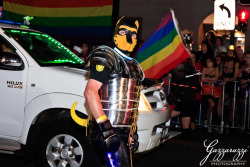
183 98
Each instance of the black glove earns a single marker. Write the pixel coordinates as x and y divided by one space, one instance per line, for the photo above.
109 137
135 144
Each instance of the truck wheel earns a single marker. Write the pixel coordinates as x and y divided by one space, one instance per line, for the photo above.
62 146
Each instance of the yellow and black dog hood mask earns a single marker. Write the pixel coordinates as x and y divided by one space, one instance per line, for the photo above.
126 43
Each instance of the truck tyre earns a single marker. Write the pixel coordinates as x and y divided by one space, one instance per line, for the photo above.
60 145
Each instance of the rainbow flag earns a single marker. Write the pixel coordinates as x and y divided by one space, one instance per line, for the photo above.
163 50
85 19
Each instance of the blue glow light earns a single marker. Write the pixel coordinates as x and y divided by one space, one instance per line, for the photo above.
10 22
110 160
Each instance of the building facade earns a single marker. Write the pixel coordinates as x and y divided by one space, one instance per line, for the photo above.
190 15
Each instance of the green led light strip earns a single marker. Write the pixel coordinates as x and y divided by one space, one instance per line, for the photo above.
66 60
23 26
54 41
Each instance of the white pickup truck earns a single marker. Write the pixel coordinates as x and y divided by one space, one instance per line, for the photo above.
40 79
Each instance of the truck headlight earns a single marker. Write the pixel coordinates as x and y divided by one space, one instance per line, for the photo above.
144 105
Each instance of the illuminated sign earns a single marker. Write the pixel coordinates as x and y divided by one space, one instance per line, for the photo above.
224 14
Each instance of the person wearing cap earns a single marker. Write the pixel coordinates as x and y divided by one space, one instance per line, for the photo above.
77 51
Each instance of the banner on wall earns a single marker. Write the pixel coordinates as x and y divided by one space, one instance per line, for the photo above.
76 19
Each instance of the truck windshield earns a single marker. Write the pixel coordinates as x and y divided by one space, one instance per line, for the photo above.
44 49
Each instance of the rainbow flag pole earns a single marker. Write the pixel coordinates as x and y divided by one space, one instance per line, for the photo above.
163 50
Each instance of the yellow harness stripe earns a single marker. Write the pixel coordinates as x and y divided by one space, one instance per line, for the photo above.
78 120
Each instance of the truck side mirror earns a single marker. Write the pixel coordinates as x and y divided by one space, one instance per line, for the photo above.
10 61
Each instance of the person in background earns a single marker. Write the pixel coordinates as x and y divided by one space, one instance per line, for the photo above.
210 39
219 46
85 51
197 64
209 78
205 52
223 56
182 94
232 54
229 74
198 99
244 85
219 62
67 43
77 51
244 58
239 53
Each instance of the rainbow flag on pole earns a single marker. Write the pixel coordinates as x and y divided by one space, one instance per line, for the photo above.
163 50
73 18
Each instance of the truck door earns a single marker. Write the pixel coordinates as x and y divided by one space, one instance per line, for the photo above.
13 78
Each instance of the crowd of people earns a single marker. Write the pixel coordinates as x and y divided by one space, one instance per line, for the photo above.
220 67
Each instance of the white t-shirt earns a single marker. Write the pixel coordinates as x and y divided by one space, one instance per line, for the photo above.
222 49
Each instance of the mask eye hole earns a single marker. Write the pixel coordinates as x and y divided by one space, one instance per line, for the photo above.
122 32
134 36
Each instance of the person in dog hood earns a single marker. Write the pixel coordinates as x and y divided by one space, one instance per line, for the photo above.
113 91
125 35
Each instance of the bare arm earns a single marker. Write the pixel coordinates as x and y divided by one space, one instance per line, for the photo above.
93 98
242 81
217 74
236 72
203 74
110 137
210 80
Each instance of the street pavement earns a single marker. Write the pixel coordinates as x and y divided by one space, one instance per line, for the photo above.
192 152
200 149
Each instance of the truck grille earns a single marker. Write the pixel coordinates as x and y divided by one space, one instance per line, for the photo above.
155 96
